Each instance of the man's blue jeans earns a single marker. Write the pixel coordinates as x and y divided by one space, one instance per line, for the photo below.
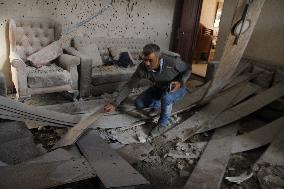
155 97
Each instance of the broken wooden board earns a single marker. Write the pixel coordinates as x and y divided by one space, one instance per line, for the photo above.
211 167
44 175
36 112
4 114
12 130
18 113
245 108
112 170
208 113
75 132
18 150
56 155
257 138
16 143
274 154
233 52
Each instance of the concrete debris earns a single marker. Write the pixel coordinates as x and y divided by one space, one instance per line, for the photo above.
135 152
142 139
187 150
239 179
184 173
271 177
152 159
131 135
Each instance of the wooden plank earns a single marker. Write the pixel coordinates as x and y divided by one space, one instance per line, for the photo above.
196 122
249 106
233 52
75 132
56 155
40 115
112 170
257 138
44 175
274 154
210 169
7 114
37 111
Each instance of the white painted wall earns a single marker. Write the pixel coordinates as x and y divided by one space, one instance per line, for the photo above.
151 19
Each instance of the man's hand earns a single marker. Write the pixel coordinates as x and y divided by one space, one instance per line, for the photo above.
174 86
109 108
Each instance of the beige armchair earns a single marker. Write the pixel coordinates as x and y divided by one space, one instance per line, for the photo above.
27 36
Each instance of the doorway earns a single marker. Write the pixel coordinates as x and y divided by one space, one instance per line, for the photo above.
197 33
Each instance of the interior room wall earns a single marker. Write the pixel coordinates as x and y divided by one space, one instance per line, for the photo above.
208 13
151 19
266 44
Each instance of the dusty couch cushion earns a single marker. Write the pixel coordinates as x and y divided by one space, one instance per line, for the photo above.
47 76
110 74
46 54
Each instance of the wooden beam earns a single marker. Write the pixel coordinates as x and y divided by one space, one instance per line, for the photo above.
196 122
17 107
44 175
249 106
210 169
75 132
257 138
275 152
112 170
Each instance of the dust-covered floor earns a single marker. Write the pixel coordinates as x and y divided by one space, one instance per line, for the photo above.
162 170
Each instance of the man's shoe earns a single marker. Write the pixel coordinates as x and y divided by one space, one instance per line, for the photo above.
154 111
159 129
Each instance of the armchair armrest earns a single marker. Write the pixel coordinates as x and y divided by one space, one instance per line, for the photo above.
67 61
16 61
70 63
19 75
85 71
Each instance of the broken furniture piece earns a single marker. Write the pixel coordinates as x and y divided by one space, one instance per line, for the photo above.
29 36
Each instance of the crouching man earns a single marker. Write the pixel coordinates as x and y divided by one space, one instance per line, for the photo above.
168 75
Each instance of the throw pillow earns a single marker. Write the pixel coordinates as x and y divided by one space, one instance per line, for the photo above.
46 54
115 53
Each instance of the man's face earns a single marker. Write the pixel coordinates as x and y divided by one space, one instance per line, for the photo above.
151 62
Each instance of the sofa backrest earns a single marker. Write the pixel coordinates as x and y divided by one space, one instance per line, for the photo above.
28 35
134 45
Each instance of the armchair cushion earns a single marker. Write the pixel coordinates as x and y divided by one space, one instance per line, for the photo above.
45 55
47 76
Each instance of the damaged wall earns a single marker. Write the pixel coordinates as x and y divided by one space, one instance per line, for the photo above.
151 19
267 41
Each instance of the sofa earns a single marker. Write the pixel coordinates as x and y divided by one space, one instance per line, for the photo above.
95 78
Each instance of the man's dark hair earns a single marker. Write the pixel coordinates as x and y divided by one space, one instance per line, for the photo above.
151 48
